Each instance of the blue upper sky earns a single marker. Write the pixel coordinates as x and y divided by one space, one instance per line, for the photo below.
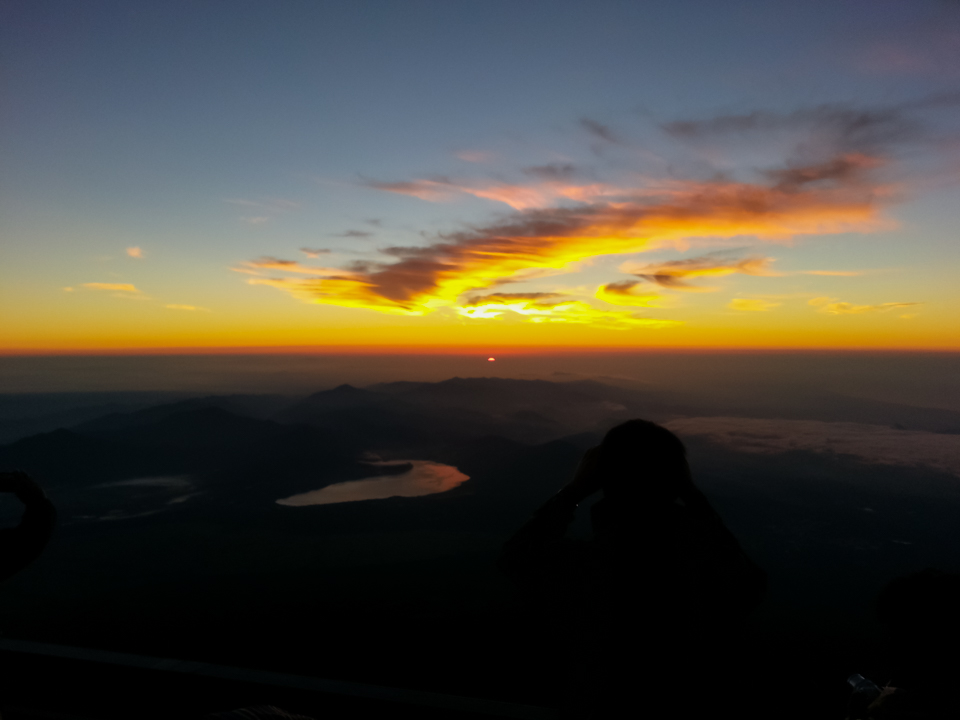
208 133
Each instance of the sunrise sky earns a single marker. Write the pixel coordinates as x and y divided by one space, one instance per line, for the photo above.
439 175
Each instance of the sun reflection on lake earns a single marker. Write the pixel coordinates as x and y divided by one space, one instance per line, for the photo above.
424 478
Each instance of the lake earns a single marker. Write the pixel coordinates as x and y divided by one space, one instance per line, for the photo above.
425 477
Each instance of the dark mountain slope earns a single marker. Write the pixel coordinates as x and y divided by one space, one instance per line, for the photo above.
217 445
66 457
255 406
391 423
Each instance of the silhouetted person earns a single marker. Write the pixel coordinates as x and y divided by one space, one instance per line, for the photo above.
652 602
21 545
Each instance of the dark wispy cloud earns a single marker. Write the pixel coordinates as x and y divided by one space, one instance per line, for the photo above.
266 208
846 127
854 129
553 171
355 234
849 168
600 131
675 274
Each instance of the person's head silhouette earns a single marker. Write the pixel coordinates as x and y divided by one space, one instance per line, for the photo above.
640 461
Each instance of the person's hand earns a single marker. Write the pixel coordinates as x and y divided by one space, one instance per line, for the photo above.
22 485
587 480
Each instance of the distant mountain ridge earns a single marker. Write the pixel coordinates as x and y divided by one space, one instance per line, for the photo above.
242 435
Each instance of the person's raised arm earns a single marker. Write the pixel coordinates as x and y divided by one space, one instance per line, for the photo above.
537 545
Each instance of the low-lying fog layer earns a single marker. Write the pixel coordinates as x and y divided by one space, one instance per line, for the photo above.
424 478
137 497
869 443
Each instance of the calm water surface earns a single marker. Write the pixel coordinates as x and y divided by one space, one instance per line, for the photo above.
424 478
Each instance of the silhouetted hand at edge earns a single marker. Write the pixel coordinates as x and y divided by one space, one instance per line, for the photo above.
20 545
22 485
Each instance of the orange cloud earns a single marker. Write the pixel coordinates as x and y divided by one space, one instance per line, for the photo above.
432 190
560 222
422 279
545 298
673 274
831 307
519 197
271 263
752 305
832 273
555 308
121 287
134 252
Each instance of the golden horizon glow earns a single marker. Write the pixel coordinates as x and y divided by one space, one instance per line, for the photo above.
565 269
377 191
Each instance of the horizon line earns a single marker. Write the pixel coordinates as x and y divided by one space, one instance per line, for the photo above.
488 351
